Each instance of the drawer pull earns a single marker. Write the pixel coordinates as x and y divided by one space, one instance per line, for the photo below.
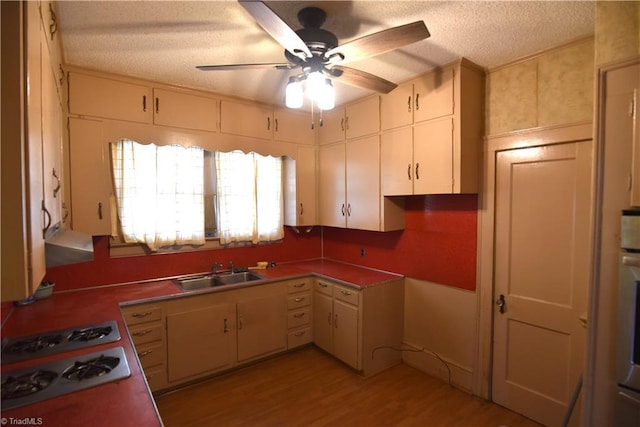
299 334
141 315
324 285
299 299
145 353
298 315
345 292
142 333
299 285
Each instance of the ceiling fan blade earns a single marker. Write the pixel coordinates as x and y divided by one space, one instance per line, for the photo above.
380 42
276 27
363 80
277 66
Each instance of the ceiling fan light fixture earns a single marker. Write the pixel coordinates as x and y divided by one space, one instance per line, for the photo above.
314 85
327 97
294 94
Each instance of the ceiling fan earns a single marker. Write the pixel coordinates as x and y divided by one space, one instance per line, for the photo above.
316 50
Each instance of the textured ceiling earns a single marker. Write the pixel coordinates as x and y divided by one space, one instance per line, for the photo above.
165 40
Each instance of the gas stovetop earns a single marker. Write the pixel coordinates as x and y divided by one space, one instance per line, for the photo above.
45 344
47 380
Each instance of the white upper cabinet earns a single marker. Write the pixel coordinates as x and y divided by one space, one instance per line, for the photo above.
109 99
293 126
245 119
355 120
185 110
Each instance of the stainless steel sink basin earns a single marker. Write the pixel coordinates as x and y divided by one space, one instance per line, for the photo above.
210 280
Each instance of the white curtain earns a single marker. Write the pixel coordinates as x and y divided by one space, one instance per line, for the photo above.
159 193
250 203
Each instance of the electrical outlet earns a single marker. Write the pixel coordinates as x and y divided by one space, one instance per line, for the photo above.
362 252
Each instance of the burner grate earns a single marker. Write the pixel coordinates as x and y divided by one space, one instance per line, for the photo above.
27 384
89 334
34 344
91 368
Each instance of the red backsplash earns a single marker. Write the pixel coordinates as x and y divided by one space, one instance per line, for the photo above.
438 244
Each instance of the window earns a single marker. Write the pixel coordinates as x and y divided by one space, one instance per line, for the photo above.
172 195
249 190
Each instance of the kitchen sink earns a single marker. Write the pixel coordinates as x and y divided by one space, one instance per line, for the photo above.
210 280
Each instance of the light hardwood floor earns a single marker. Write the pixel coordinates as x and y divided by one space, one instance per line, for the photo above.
310 388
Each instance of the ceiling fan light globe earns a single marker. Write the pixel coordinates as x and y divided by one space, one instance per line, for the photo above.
293 94
327 96
314 85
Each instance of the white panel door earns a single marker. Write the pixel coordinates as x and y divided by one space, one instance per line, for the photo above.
542 270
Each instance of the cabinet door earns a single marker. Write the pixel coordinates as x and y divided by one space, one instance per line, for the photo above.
51 139
262 326
301 189
292 126
246 119
345 333
396 162
433 157
396 107
333 126
90 178
199 341
323 321
363 183
109 99
185 110
363 118
433 95
332 186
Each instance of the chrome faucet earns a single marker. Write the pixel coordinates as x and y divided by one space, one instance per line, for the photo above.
215 266
231 267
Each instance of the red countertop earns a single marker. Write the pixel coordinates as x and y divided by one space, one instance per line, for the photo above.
127 402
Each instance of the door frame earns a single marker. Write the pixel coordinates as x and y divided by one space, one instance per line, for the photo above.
535 137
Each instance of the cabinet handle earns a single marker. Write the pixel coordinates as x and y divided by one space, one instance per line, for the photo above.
409 171
226 325
299 334
329 318
417 101
145 353
343 292
349 210
47 214
417 170
239 323
409 104
342 124
298 315
335 321
299 285
300 299
99 210
142 333
346 122
157 105
53 26
141 315
275 121
55 190
268 123
144 103
324 285
301 209
342 209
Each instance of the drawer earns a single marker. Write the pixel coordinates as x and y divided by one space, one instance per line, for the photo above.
324 287
298 301
146 333
151 355
351 296
298 318
299 285
141 314
299 337
156 377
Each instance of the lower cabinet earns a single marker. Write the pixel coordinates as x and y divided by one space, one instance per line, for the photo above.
146 324
262 326
200 339
360 327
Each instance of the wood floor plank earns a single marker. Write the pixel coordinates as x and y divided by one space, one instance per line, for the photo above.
310 388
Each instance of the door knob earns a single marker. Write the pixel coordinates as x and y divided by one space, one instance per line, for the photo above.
501 303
